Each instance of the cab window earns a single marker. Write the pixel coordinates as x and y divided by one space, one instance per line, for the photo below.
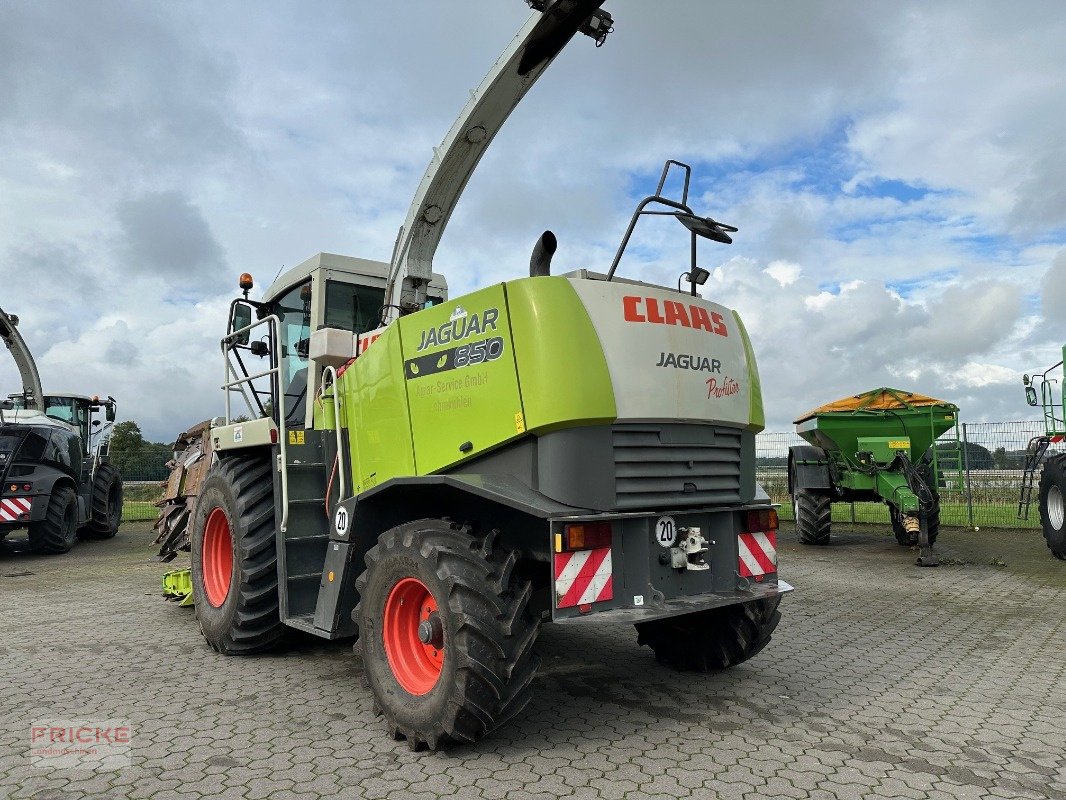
352 307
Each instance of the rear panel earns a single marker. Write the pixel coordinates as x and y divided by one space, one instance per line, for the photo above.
644 574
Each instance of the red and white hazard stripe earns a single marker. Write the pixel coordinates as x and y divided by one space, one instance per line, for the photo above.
758 554
582 577
11 509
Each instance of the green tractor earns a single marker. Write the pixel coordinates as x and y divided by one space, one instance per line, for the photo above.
1052 466
440 476
56 480
879 446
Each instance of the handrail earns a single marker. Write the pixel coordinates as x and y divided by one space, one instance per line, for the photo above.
337 409
228 386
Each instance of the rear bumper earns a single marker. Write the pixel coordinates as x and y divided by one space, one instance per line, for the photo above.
647 572
19 511
682 605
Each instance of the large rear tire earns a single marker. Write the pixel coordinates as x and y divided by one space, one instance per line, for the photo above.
58 531
716 639
234 557
440 678
1053 504
813 517
106 500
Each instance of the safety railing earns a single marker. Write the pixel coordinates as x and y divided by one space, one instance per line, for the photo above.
234 382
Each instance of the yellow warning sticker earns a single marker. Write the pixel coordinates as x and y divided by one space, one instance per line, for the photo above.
519 423
899 444
296 437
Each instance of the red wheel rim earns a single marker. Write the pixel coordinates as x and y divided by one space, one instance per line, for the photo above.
217 557
415 663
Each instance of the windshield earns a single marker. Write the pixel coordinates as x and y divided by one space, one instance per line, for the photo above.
71 410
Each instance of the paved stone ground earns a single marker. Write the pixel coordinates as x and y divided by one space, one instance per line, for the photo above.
884 680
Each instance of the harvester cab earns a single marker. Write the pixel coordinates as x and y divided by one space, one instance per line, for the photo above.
884 446
440 475
1040 392
56 479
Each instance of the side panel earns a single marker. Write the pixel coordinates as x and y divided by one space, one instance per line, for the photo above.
564 375
376 414
461 381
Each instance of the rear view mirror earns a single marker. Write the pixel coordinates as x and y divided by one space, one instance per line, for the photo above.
1030 396
109 409
241 318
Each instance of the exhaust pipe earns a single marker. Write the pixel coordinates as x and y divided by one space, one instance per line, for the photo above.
540 263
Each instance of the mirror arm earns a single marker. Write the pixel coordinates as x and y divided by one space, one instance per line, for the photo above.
633 224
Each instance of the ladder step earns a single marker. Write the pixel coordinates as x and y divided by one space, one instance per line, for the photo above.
306 576
311 537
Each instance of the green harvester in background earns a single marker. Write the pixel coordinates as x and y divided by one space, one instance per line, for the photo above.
1052 465
875 446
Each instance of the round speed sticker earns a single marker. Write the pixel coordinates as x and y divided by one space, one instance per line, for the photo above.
665 532
340 521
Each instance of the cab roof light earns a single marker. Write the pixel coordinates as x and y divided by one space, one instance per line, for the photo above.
760 521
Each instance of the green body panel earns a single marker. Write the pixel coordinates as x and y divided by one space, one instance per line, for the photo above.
532 356
461 380
375 411
756 415
561 367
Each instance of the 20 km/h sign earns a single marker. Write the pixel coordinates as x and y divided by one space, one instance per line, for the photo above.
666 531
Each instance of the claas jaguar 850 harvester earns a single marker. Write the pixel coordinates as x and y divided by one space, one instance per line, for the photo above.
576 448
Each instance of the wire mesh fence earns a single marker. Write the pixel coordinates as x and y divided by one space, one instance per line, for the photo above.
982 491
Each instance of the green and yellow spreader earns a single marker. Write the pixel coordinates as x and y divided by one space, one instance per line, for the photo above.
881 446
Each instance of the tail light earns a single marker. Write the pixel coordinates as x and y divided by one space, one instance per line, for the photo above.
760 521
583 536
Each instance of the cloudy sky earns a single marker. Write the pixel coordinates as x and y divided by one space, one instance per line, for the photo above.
897 172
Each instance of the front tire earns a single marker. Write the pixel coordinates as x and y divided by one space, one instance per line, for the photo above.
106 500
58 531
813 517
1053 505
716 639
445 633
234 557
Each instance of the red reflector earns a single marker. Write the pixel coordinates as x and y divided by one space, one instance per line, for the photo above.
273 435
585 608
762 520
587 536
27 486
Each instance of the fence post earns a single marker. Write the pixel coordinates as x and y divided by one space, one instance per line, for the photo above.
853 512
966 467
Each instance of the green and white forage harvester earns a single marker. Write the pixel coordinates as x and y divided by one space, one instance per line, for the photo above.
1052 466
438 476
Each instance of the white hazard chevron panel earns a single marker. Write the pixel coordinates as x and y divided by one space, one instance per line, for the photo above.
758 554
583 577
12 509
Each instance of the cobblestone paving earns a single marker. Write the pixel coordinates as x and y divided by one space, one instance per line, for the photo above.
884 680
